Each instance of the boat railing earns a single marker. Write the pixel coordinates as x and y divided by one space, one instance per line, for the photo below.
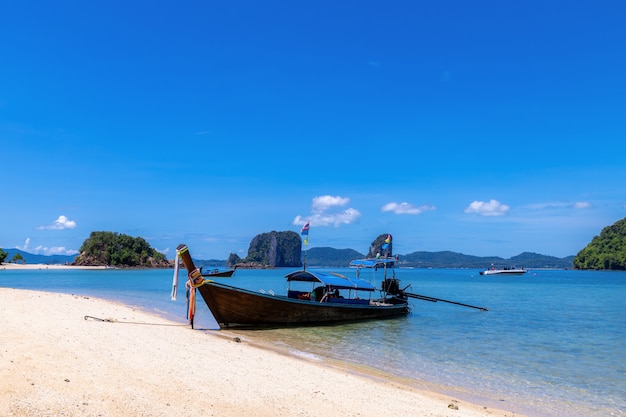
348 300
326 295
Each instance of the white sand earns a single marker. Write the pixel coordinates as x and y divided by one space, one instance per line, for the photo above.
54 362
17 266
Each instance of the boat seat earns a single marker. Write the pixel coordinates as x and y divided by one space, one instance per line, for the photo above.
300 295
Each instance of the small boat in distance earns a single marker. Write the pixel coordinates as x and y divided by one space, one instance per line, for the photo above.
216 273
504 271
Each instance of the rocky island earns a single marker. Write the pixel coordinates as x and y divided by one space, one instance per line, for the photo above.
119 250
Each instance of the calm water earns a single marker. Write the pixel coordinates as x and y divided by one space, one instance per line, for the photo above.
553 343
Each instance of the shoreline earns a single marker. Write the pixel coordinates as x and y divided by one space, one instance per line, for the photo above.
15 266
84 356
426 388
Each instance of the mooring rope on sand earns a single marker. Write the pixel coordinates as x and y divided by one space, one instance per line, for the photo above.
130 322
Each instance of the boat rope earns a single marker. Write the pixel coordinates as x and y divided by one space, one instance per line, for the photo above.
131 322
175 277
191 301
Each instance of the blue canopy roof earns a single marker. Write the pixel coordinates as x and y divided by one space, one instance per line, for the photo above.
373 262
330 279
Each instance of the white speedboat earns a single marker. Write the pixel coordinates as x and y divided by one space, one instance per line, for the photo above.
504 271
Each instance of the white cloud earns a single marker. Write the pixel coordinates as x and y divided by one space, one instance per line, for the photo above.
26 244
326 202
558 205
59 224
544 206
43 250
55 250
406 208
489 208
325 211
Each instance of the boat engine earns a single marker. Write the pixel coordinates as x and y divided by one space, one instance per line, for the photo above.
391 286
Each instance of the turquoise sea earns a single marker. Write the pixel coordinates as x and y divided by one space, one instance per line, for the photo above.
553 342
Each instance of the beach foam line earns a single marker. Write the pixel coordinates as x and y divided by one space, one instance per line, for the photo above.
72 355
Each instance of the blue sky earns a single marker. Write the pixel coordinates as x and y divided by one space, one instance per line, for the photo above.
488 128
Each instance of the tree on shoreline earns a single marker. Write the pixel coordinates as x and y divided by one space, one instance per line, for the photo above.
18 258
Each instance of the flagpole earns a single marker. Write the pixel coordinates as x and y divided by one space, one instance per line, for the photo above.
305 233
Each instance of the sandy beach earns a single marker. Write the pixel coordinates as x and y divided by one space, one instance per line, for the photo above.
71 355
16 266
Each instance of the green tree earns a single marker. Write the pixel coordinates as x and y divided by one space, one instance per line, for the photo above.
18 258
3 256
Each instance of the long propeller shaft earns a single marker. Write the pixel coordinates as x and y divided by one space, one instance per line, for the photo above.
434 300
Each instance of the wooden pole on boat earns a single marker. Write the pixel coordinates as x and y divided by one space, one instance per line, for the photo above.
434 300
195 279
194 274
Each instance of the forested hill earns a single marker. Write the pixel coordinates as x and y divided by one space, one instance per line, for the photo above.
119 250
606 251
31 258
330 257
458 260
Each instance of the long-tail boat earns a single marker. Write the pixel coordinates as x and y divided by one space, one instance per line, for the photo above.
321 297
329 299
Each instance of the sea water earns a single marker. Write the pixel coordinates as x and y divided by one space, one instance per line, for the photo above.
553 342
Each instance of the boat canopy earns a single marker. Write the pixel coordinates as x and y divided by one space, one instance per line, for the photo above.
373 263
330 279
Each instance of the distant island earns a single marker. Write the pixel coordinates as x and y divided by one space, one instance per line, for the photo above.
606 251
273 249
284 249
19 256
326 257
329 257
120 251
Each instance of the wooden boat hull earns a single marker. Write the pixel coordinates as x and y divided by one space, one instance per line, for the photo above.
235 307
